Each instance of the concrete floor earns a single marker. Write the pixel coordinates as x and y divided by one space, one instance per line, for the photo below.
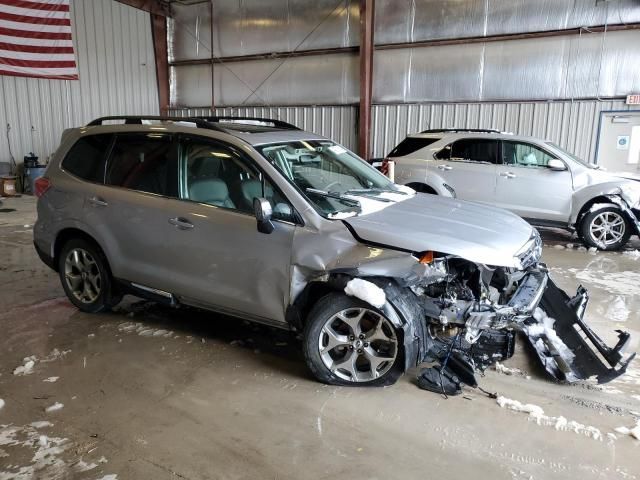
151 393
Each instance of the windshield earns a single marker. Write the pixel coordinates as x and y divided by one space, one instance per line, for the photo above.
334 180
573 157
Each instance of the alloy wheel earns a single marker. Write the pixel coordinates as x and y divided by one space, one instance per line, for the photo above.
82 275
607 228
358 345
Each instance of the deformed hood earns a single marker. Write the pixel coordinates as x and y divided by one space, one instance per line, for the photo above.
476 232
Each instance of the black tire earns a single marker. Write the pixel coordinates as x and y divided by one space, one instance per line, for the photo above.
322 311
94 299
593 219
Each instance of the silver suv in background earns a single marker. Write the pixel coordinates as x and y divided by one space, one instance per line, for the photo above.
257 219
533 178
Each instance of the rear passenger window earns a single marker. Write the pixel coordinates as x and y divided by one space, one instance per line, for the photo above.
410 145
475 150
144 162
86 157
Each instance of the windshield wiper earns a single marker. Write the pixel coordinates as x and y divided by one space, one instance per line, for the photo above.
338 196
375 190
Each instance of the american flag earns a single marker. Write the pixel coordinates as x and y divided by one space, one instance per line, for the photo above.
35 39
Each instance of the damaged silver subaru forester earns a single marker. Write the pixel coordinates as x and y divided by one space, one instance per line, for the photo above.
257 219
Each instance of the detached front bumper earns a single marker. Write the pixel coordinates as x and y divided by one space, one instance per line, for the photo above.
568 349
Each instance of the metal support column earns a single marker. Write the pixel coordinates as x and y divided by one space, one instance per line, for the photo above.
366 73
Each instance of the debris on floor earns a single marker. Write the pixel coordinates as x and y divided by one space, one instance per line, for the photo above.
617 310
51 379
1 403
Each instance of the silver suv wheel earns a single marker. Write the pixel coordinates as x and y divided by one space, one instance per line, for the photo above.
358 345
607 228
82 275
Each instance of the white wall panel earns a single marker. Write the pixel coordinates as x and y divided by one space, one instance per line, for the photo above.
114 52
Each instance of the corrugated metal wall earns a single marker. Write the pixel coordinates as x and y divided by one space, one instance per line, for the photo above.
498 84
116 63
572 125
335 122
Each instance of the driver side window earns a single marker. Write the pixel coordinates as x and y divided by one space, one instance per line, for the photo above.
524 155
218 174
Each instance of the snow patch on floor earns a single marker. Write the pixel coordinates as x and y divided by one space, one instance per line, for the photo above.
54 408
617 310
500 368
51 379
1 403
144 330
41 424
27 366
537 415
45 454
634 254
618 283
632 431
366 291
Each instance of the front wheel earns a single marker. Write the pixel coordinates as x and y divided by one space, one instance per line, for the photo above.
85 277
349 342
605 228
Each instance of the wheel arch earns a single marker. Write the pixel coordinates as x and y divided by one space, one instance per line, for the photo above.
587 205
71 233
402 309
422 187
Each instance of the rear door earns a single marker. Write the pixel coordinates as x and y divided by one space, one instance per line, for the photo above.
468 166
129 210
528 187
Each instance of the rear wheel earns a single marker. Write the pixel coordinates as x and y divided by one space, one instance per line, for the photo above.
605 228
349 342
85 277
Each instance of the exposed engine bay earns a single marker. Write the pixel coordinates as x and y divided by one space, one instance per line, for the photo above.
473 312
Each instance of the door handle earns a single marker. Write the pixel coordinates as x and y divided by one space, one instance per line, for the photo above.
181 223
445 167
98 202
508 174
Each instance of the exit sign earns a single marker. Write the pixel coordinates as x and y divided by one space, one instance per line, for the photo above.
633 99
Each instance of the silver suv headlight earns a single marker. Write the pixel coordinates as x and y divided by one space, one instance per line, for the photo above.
531 252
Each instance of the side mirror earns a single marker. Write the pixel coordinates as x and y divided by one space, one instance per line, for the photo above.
263 211
556 165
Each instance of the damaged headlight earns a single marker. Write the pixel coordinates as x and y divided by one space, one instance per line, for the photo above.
531 252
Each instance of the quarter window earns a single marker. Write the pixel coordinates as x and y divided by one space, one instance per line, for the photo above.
524 154
410 145
86 157
144 162
218 174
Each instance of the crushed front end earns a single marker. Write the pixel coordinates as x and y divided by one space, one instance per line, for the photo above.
473 312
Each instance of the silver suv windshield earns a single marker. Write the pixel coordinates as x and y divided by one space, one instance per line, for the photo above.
573 157
335 181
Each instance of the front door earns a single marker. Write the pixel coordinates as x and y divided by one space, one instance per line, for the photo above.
529 188
219 258
468 166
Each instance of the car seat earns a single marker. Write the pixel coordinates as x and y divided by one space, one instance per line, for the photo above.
212 191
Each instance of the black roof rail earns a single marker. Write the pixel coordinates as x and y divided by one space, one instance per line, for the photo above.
137 120
470 130
228 118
